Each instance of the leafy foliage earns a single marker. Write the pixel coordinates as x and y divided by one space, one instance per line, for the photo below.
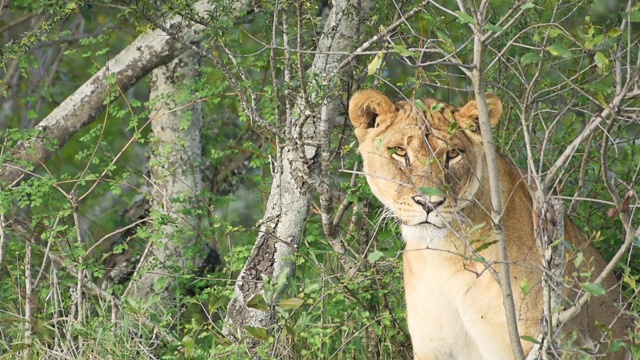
554 67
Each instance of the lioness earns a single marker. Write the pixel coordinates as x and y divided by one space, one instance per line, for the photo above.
428 168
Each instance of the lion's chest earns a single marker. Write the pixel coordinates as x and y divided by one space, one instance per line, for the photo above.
453 312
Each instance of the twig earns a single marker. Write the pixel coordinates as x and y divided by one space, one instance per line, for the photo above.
28 303
3 234
504 275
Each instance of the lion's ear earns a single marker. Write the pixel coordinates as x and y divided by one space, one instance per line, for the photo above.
467 116
365 107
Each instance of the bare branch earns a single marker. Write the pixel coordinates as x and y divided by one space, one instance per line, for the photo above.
497 213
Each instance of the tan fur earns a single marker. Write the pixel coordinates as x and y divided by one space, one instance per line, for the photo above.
454 304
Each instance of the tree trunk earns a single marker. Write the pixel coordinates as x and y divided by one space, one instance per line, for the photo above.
175 177
296 172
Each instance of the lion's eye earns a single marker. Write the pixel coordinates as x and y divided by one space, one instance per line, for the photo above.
400 151
400 154
453 155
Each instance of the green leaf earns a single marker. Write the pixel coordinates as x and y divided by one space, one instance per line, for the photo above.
630 280
436 107
446 40
258 333
257 302
527 6
601 61
453 127
402 50
465 18
420 105
476 228
615 346
312 288
558 49
485 245
529 339
281 279
579 259
375 256
428 191
291 303
492 27
599 87
375 64
594 289
635 16
526 287
554 32
529 58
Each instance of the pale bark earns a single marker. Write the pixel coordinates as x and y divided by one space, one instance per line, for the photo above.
549 228
297 170
150 50
175 176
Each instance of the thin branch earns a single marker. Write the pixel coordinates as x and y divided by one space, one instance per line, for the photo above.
497 212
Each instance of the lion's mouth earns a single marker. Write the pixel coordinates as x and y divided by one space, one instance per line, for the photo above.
427 223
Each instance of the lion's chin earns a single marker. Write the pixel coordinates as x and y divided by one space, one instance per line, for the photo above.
423 234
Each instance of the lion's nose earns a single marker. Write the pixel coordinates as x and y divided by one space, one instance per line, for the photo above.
429 203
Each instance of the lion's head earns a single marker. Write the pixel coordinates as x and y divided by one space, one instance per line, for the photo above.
421 159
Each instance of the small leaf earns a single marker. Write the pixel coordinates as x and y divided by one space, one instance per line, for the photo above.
554 32
529 58
557 242
630 280
429 191
291 303
529 339
615 346
525 286
527 6
594 289
436 107
558 49
257 302
635 16
375 64
312 288
579 259
402 50
601 61
420 105
485 245
448 44
491 27
476 228
375 256
281 279
258 333
599 87
465 18
453 127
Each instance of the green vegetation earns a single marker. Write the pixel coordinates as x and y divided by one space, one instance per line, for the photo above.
75 223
